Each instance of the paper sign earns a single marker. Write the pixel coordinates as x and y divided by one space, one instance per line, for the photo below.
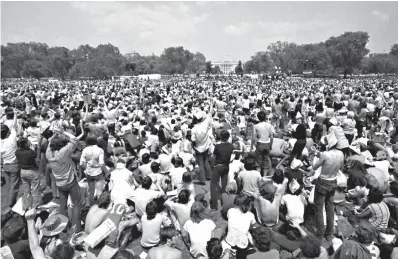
18 207
100 233
5 253
87 99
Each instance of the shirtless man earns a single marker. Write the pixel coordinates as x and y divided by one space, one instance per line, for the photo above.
325 185
268 202
97 213
164 250
263 134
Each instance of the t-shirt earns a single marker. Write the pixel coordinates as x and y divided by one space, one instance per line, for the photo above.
8 148
238 227
250 181
116 214
295 207
122 189
176 175
199 234
182 211
26 159
151 229
223 153
142 197
227 202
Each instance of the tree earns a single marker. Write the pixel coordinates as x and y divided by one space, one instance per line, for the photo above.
208 67
239 69
59 61
35 68
394 50
259 63
348 50
216 70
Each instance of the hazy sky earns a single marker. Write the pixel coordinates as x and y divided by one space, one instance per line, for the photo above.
220 30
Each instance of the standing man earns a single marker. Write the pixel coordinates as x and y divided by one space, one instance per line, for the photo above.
201 140
8 145
325 185
263 135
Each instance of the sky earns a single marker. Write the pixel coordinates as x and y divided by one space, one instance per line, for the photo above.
219 30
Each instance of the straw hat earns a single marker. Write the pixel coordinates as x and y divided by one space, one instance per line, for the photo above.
54 225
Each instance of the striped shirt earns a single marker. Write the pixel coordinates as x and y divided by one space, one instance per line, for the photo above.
380 215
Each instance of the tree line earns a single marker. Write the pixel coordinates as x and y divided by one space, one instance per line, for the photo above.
346 54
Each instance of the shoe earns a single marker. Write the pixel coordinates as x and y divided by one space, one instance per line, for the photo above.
200 183
208 179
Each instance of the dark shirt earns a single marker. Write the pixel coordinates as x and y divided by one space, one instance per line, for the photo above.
20 249
227 202
26 159
223 153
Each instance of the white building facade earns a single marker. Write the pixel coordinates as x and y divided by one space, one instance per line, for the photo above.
227 67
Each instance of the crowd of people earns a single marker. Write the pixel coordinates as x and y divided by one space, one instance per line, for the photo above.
200 168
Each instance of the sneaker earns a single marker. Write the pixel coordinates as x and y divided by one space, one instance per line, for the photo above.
200 183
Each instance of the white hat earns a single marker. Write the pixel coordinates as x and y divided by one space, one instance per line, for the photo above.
333 121
298 115
200 115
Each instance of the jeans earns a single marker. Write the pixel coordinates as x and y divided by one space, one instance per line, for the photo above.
262 156
324 193
277 123
204 165
13 178
359 126
92 182
316 133
31 183
73 190
218 171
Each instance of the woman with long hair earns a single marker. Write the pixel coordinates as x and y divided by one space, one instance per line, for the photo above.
198 230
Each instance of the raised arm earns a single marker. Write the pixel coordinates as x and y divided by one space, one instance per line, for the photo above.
34 244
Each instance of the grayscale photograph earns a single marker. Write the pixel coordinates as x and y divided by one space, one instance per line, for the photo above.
199 129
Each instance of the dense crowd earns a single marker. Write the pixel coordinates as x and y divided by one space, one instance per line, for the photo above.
222 168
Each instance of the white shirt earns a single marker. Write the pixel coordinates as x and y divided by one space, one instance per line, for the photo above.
142 197
93 156
176 175
121 188
201 134
8 148
238 227
250 180
295 207
199 234
151 229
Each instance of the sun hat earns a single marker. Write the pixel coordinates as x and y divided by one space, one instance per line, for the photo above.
355 149
54 225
